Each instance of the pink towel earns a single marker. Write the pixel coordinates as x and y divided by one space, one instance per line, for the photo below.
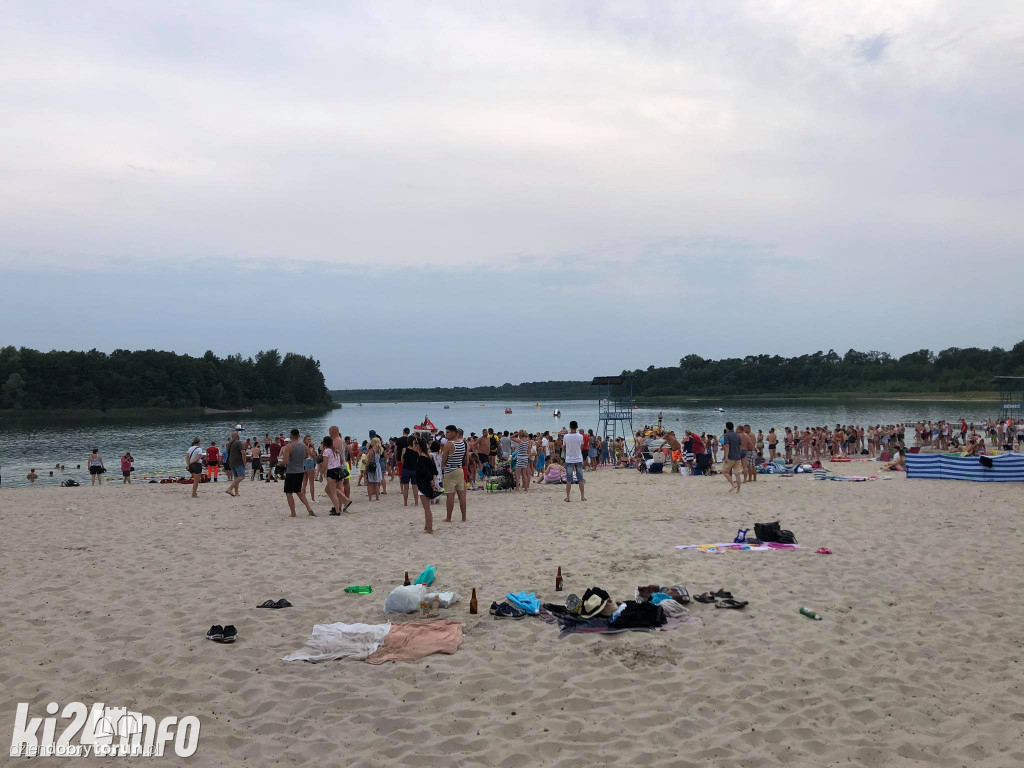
413 640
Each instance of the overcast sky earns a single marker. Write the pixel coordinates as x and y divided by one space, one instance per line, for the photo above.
432 193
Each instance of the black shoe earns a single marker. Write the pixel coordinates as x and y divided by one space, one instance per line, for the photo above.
215 479
334 512
216 633
283 603
230 633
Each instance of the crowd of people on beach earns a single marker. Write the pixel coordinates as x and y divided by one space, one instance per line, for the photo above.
431 463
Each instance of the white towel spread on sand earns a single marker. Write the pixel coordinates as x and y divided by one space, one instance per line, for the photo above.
341 641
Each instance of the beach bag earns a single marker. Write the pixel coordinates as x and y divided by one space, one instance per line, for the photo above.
69 484
985 461
773 532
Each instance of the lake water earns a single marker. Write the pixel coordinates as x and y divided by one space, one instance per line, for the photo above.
159 446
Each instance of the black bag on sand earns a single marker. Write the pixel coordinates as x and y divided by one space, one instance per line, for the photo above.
773 532
985 461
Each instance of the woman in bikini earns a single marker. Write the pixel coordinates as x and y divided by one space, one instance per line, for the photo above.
96 467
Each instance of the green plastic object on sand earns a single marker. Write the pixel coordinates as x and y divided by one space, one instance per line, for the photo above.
427 577
359 589
810 614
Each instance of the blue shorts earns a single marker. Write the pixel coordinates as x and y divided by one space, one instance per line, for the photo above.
239 471
574 473
408 476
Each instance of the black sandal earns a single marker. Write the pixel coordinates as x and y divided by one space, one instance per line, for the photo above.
730 603
707 597
723 593
267 604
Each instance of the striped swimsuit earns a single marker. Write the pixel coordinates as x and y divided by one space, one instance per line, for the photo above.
454 461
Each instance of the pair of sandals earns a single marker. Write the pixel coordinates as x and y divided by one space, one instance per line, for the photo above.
282 603
722 599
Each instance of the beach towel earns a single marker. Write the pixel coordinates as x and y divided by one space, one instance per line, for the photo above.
524 601
378 643
414 640
724 547
341 641
852 478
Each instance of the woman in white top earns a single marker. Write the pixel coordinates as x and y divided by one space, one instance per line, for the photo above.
194 462
333 470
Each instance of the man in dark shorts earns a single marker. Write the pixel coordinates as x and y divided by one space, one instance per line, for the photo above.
235 456
408 458
401 443
274 451
482 446
293 456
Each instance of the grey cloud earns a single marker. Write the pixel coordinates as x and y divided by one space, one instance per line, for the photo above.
872 48
553 155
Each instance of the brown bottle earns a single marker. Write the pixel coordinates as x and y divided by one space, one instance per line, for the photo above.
558 580
406 583
472 602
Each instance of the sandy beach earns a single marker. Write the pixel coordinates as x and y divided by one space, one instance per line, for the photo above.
108 593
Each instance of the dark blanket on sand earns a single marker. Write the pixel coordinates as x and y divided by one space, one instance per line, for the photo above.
574 625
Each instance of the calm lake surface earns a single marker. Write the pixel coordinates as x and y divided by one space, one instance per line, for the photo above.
159 446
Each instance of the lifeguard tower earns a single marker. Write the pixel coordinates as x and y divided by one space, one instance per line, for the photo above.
614 407
1011 397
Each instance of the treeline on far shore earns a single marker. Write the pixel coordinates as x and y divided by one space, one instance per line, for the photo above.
128 380
954 370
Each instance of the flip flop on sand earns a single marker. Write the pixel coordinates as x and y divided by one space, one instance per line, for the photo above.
267 604
216 633
730 603
282 603
721 593
707 597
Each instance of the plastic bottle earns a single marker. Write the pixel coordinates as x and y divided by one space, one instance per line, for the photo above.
359 589
810 614
558 580
407 581
472 602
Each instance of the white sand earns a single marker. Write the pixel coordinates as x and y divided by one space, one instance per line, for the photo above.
917 662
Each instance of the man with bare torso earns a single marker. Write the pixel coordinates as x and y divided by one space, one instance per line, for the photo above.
749 444
677 448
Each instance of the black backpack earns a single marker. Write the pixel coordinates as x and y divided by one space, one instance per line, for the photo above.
773 532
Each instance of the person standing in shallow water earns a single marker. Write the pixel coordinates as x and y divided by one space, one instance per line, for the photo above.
96 468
